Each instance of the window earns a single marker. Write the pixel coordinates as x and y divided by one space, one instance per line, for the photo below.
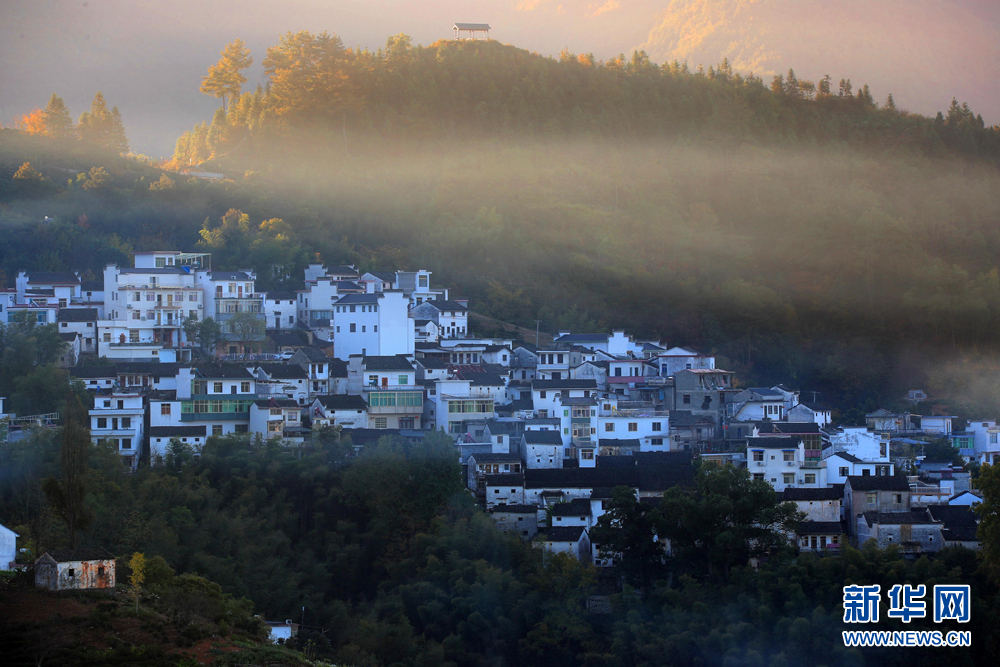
102 422
121 405
788 455
993 438
788 478
687 399
872 497
133 336
758 475
633 427
244 387
216 429
107 337
657 426
125 443
126 422
354 327
242 428
609 427
844 472
362 328
403 379
375 328
164 408
758 455
217 387
541 394
899 498
810 479
656 442
381 422
72 572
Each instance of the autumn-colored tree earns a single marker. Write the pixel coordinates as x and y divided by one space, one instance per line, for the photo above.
57 119
102 127
27 174
32 122
309 75
224 78
138 566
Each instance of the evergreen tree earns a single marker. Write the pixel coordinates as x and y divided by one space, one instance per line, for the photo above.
57 119
102 127
225 78
67 493
845 88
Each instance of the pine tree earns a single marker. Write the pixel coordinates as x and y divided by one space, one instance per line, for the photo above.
103 128
824 86
57 119
224 78
845 88
890 103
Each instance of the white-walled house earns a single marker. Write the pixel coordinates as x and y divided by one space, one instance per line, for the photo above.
277 418
542 449
783 462
347 410
372 324
810 412
681 358
160 437
389 386
8 548
279 310
80 321
757 404
866 445
451 317
841 465
118 418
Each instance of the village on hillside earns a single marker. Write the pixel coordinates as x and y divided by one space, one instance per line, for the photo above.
174 352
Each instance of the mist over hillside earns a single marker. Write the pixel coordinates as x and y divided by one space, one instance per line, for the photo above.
909 48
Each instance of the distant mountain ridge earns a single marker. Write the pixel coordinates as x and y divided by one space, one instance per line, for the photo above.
904 47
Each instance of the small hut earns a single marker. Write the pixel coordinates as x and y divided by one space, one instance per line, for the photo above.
79 569
471 30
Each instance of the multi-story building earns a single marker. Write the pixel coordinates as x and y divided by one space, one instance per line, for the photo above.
227 294
785 462
455 404
117 418
146 306
216 397
389 387
374 324
82 322
279 310
703 392
451 317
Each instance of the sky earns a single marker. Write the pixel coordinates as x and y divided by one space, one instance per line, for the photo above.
148 58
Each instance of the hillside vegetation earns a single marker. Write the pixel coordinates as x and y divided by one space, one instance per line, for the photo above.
801 231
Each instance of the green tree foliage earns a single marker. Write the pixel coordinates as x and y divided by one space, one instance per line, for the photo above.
727 520
988 510
209 334
628 534
103 128
58 122
247 329
67 493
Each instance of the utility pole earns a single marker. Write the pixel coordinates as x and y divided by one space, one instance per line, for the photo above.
537 322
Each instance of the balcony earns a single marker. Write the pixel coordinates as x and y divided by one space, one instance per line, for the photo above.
238 295
396 410
215 416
